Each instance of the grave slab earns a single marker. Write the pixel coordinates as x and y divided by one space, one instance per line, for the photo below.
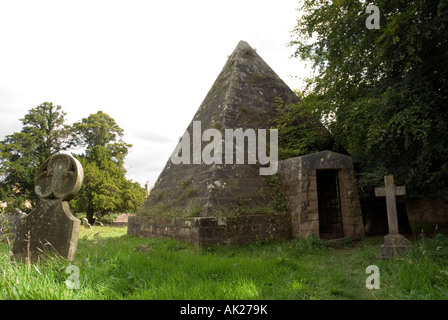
51 227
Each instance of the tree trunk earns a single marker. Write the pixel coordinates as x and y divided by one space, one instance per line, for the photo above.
89 216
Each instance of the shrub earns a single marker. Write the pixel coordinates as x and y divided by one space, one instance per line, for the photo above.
108 218
308 244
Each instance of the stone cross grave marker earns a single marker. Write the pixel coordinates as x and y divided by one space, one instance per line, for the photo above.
51 226
394 243
390 191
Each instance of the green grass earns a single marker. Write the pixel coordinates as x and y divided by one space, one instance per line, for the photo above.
111 268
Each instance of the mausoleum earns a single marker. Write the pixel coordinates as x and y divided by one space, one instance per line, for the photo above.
322 195
220 201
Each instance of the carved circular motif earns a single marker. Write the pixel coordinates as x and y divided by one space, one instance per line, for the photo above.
59 177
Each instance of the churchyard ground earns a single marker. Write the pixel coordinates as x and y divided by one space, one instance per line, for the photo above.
113 265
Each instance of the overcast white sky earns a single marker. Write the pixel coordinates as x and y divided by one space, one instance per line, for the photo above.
148 64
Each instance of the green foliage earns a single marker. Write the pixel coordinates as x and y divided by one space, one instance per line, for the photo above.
111 268
158 210
186 189
311 244
47 123
99 129
191 191
105 187
300 130
165 210
108 218
5 227
278 201
382 92
420 274
44 133
194 210
184 184
244 207
15 198
157 195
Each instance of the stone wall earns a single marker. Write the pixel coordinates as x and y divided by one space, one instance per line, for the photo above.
122 219
301 204
203 231
353 224
427 213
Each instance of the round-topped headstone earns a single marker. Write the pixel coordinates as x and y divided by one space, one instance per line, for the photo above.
59 177
51 226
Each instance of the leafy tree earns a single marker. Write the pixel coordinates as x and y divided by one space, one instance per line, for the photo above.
44 133
382 92
99 129
47 122
300 131
105 188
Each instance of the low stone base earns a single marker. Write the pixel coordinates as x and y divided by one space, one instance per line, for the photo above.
394 244
120 223
205 231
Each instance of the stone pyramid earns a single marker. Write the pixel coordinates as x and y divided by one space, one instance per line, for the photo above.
243 96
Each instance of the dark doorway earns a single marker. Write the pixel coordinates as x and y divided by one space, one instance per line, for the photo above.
328 196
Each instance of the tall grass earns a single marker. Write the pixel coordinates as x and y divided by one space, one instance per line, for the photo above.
110 267
420 274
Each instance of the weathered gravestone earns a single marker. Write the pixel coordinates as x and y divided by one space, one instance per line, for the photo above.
85 223
394 243
9 221
51 226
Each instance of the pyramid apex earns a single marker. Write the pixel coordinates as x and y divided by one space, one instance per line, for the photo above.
243 46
